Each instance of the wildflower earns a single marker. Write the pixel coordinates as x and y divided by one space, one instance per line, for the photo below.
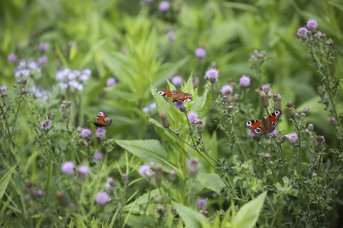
39 93
193 117
164 6
102 198
172 175
226 89
201 203
164 120
244 81
293 137
170 36
177 80
257 55
310 127
43 59
100 133
158 173
149 108
65 108
273 133
43 46
200 53
111 82
86 133
98 156
46 125
266 88
333 120
311 24
12 58
180 105
193 167
67 167
302 33
161 210
26 68
3 91
83 170
145 170
306 109
320 140
200 126
252 134
39 193
75 79
195 81
110 183
212 75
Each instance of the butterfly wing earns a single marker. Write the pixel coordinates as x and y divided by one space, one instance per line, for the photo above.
176 95
256 127
272 120
102 120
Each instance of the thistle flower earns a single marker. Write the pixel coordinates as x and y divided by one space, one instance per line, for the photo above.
302 33
149 108
46 125
100 133
145 171
68 167
39 193
176 80
180 105
170 36
161 210
200 53
26 68
98 156
273 133
111 82
164 6
83 170
193 117
257 56
212 75
244 81
293 137
86 133
43 59
311 24
226 89
3 91
333 121
43 46
172 175
201 203
39 93
12 58
193 167
110 183
102 198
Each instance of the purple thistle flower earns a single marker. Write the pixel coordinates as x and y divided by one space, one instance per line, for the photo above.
102 198
273 133
67 167
193 167
201 203
311 24
171 36
193 117
293 137
200 53
111 82
39 193
3 90
110 183
226 89
164 6
86 133
43 59
177 80
98 156
46 125
244 81
302 33
12 58
212 75
145 171
83 170
195 81
100 133
180 105
252 134
172 175
43 46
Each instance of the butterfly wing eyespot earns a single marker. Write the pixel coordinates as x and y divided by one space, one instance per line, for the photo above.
100 114
258 130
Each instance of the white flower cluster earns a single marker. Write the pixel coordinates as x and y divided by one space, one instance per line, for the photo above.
39 93
26 68
68 78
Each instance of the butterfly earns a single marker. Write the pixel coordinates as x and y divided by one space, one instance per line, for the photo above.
176 95
102 120
264 126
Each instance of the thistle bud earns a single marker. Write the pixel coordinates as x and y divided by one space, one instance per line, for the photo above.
158 173
164 120
264 100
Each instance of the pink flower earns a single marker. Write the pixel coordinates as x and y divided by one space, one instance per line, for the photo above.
86 133
200 53
102 198
100 132
244 81
68 167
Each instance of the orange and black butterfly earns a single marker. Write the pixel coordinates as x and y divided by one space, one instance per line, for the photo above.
176 95
102 120
264 126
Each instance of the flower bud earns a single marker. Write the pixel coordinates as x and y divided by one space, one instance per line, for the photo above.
164 120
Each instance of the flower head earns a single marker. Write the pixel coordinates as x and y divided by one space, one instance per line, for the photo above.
193 117
201 203
145 171
164 6
12 58
293 137
111 82
39 193
226 89
244 81
100 132
302 33
98 156
195 81
43 59
177 80
180 105
193 167
110 183
212 75
46 125
311 24
3 91
172 175
200 53
102 198
86 133
83 170
43 46
273 133
170 36
68 167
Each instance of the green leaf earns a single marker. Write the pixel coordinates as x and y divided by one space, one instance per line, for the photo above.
248 214
5 180
192 218
211 181
149 151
